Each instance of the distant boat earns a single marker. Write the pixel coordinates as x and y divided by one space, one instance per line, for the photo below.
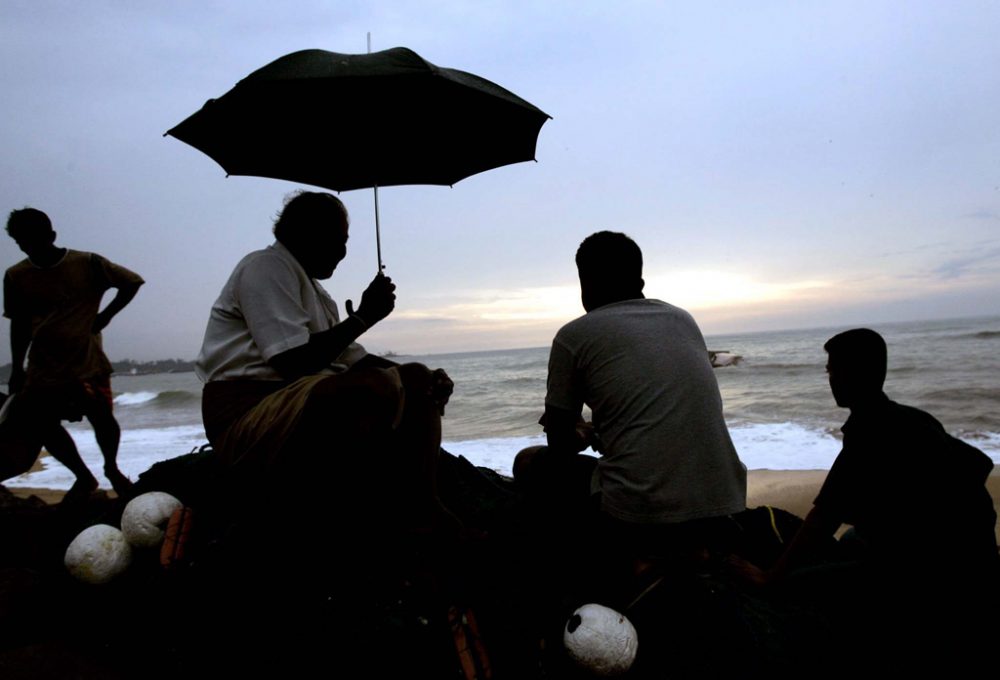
723 358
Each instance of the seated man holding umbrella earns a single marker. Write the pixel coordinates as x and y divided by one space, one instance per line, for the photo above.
287 388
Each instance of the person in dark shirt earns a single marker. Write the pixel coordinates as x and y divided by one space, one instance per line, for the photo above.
922 554
914 494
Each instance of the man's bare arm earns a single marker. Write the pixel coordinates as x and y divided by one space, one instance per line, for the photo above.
121 299
565 431
324 347
818 526
20 338
321 350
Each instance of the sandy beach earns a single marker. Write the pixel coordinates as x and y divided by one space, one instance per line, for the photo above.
794 490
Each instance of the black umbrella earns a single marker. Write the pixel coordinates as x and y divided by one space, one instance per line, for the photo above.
352 121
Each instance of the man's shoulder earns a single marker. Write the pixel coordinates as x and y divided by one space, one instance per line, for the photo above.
264 269
911 416
15 270
665 308
581 327
85 256
617 314
77 258
893 424
265 259
646 306
567 328
917 430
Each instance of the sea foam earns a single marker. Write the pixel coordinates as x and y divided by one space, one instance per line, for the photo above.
774 446
134 398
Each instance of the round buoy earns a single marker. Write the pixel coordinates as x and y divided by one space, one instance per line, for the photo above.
98 554
145 518
601 640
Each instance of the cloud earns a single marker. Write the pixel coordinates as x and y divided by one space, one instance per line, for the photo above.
972 262
516 305
708 289
530 316
428 320
910 249
982 215
720 301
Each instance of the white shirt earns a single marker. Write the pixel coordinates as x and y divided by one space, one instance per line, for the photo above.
269 305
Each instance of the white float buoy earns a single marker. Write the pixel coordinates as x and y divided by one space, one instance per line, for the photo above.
145 518
601 640
98 554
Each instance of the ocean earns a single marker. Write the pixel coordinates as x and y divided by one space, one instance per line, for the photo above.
777 401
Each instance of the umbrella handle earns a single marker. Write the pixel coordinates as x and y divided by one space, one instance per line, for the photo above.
378 234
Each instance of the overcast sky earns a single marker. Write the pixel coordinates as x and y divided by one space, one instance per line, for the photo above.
781 164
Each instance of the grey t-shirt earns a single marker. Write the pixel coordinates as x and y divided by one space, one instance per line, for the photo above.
643 369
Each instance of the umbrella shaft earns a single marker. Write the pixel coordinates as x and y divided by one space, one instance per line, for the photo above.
378 233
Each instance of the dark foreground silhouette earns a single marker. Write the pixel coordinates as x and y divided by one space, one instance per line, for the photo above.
284 589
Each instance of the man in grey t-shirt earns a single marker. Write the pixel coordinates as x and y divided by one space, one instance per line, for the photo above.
641 365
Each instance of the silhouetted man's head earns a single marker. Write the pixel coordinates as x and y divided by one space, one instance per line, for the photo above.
313 226
610 267
856 365
32 230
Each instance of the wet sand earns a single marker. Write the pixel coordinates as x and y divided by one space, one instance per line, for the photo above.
48 495
794 490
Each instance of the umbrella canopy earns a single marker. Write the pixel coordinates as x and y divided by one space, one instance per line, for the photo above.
352 121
